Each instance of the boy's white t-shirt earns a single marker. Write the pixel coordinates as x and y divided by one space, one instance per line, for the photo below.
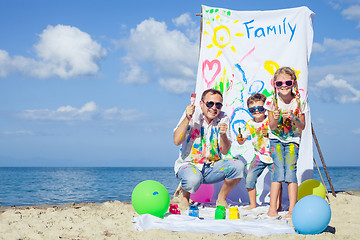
260 142
286 131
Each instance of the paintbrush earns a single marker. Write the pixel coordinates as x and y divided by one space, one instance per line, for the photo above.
192 99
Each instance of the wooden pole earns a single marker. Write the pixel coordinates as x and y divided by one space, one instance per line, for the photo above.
322 160
200 14
322 180
201 28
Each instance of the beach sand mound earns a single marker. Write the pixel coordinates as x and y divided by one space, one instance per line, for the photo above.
112 220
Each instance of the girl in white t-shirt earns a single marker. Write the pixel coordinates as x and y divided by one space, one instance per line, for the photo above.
286 121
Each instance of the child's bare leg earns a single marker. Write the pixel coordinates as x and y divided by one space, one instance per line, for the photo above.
292 188
228 185
184 203
274 196
252 197
279 202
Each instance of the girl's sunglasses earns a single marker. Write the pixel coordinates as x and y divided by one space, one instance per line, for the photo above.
287 83
259 108
209 104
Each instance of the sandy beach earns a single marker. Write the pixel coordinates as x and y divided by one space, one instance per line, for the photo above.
112 220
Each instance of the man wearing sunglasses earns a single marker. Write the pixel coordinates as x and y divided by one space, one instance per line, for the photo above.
204 138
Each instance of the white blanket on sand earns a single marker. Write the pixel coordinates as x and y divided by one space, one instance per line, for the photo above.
254 222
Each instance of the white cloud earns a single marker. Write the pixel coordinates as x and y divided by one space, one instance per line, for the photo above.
317 47
62 51
134 73
352 13
350 9
348 71
122 114
356 131
320 120
334 4
4 63
177 85
18 133
338 47
169 53
183 20
331 89
90 111
340 4
340 58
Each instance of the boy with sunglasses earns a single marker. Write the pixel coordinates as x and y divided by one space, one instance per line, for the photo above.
204 138
257 129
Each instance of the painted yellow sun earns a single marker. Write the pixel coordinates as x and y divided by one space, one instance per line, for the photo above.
272 66
222 37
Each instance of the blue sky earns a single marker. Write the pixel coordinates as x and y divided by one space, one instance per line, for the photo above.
103 83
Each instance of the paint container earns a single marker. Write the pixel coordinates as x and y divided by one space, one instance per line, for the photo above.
234 213
174 209
220 212
194 211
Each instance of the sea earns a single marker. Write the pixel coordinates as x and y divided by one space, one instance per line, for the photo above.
24 186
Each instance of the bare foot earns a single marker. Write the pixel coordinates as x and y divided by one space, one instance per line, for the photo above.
250 207
222 203
176 200
272 213
288 215
184 204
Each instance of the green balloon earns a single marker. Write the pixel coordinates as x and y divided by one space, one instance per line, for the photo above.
150 197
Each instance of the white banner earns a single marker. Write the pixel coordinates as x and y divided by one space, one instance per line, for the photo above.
240 52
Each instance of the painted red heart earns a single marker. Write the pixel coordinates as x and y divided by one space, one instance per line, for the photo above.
211 66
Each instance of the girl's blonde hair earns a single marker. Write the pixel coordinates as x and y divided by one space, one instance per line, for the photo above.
291 72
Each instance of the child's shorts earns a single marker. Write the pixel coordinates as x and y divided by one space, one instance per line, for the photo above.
285 157
255 169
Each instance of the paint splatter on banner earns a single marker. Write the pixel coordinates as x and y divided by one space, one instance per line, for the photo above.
240 52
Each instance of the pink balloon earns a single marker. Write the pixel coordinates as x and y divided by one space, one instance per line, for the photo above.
203 194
